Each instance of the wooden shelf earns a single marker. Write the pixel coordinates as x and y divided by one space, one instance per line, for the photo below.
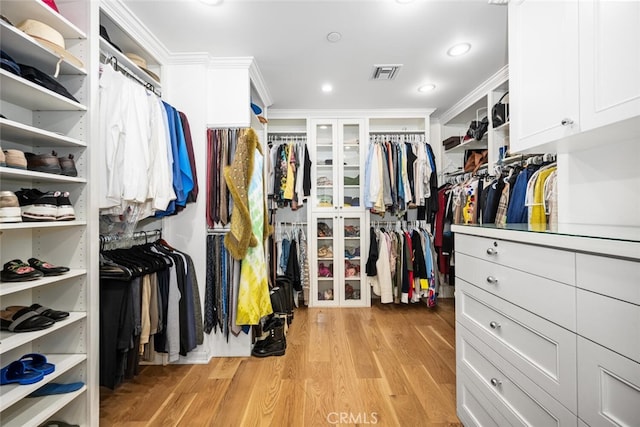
39 224
14 174
11 340
7 288
32 136
26 50
31 96
18 11
470 144
35 411
12 393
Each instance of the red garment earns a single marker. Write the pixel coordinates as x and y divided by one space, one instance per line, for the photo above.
443 260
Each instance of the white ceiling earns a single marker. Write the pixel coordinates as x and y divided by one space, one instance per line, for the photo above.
288 41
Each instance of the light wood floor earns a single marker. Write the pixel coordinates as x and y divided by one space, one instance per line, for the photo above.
385 365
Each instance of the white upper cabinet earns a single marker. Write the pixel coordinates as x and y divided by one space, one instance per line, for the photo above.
574 67
610 62
543 72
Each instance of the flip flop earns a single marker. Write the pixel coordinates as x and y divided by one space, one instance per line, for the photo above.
37 362
16 372
56 388
24 320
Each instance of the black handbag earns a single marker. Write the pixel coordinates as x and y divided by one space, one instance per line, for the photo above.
478 128
500 112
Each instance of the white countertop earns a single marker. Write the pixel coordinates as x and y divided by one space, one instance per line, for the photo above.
619 241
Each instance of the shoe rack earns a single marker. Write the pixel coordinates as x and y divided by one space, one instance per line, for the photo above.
40 121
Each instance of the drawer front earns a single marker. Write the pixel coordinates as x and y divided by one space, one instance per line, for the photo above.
546 262
617 278
608 387
541 350
610 322
473 407
549 299
519 400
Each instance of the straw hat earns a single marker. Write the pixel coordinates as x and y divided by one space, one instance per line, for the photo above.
49 38
140 62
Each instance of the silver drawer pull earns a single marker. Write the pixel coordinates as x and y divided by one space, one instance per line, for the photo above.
495 382
492 280
494 325
491 251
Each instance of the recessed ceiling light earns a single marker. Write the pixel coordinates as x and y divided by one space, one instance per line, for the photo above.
334 36
459 49
326 88
426 88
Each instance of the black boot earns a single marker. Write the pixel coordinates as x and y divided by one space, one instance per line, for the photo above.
275 343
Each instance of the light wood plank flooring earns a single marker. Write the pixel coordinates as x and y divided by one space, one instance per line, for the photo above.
388 365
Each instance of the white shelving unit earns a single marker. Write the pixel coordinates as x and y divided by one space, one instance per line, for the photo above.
41 121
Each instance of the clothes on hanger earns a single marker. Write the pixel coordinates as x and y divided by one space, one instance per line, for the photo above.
288 172
400 173
221 148
146 168
291 254
153 306
405 268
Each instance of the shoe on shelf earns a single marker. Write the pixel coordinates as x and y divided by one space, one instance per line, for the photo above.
65 211
55 315
47 269
44 208
19 271
47 163
324 271
16 372
68 165
15 159
3 160
9 207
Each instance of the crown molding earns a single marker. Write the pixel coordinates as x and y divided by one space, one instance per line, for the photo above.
231 62
492 83
257 81
130 24
189 58
390 113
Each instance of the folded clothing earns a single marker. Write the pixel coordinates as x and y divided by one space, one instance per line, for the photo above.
42 79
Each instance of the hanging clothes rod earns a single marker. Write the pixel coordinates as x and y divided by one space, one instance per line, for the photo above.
110 59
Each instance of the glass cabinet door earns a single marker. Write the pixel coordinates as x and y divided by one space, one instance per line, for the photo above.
350 152
325 228
352 259
325 165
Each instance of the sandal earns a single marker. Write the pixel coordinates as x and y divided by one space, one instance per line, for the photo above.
52 314
16 372
24 320
37 362
56 388
19 271
46 268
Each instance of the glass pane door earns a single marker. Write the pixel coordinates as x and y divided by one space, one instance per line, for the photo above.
350 165
325 269
352 260
324 166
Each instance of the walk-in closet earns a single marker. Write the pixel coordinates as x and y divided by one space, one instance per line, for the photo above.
297 213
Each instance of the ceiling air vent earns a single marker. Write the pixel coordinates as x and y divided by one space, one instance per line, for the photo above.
385 72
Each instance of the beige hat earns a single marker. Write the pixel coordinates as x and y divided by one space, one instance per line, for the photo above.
50 38
140 62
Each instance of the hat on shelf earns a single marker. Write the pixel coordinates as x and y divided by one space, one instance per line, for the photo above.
50 38
142 63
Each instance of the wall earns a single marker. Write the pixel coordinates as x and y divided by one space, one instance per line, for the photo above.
600 185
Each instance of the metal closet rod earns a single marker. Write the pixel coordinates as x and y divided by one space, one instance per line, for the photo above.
110 59
120 240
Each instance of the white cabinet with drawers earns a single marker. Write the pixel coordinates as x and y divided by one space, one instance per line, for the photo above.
546 335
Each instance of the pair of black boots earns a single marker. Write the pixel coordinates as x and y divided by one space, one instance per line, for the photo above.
273 341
